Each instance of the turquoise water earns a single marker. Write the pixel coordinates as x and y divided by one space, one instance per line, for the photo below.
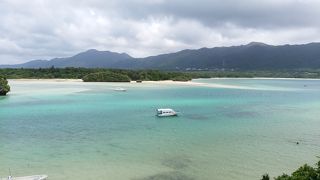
81 131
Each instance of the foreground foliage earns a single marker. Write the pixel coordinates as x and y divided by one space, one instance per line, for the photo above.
305 172
4 86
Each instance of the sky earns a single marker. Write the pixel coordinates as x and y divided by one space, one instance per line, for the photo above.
44 29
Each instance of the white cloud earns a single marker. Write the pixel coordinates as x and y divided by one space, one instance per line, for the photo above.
41 29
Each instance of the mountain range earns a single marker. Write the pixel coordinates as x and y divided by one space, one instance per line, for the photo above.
253 56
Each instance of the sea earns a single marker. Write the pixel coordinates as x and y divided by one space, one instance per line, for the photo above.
226 129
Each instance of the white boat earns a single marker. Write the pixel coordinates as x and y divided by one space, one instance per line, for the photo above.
120 89
166 112
35 177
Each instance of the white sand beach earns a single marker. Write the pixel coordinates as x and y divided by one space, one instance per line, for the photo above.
166 82
200 84
47 80
149 83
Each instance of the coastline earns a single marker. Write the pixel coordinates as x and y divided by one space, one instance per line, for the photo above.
263 78
191 83
48 80
164 82
198 84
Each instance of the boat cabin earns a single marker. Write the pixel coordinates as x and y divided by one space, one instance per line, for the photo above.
166 112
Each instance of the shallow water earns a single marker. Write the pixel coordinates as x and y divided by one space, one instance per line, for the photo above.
74 130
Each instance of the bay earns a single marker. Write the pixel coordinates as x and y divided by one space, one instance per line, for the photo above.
81 131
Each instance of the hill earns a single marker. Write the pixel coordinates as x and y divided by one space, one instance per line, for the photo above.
253 56
89 59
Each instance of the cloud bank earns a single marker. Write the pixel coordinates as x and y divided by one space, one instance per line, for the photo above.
43 29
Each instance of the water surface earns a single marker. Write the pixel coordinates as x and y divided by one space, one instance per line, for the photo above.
81 131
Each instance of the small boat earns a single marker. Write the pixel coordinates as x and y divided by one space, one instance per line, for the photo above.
166 112
35 177
120 89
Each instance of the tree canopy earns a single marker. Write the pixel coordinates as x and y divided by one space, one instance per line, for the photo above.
4 86
82 73
305 172
150 75
106 77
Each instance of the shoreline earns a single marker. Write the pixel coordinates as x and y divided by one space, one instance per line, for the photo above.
199 84
191 83
47 80
178 82
163 82
264 78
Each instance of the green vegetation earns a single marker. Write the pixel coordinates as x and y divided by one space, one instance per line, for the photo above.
87 74
4 86
305 172
265 177
106 77
148 75
182 78
299 73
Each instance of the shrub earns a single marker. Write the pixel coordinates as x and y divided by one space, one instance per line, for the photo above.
305 172
4 86
181 78
106 77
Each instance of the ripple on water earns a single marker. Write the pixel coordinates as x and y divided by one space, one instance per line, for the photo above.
168 176
242 114
177 163
196 117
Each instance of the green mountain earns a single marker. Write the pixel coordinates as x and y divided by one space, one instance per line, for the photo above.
253 56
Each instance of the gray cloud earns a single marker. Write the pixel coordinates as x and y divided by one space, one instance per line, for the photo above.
42 29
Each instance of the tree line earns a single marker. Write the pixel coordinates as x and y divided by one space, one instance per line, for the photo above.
92 74
146 75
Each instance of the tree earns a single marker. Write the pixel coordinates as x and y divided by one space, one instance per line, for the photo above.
265 177
4 86
106 77
305 172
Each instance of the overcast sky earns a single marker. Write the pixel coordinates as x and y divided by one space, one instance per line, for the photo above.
43 29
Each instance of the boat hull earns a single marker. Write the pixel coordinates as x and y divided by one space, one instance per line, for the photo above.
167 115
